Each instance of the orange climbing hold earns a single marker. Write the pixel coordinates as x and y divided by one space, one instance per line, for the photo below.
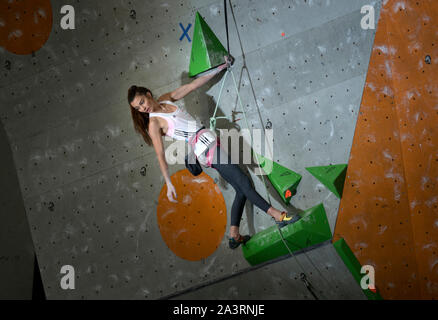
388 213
25 26
193 227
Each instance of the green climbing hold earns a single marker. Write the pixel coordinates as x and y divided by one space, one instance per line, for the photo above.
354 266
311 229
284 180
207 51
333 177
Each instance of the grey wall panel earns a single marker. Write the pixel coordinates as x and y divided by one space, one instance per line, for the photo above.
16 248
329 277
78 158
262 23
318 134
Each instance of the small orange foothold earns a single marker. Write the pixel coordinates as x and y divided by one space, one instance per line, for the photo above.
372 289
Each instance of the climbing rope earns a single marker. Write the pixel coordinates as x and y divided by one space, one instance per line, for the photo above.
213 119
303 276
226 26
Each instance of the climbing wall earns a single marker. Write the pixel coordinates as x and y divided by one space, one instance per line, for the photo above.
90 185
388 213
16 248
308 85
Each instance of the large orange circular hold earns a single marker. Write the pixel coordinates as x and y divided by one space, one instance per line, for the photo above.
194 226
25 25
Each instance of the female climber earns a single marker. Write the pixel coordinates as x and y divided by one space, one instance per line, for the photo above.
156 118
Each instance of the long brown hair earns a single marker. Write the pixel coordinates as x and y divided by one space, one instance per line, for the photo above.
140 119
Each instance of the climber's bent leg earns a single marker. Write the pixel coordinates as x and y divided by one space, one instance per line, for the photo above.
237 208
233 175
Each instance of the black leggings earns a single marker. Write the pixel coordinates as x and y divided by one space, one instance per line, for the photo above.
232 173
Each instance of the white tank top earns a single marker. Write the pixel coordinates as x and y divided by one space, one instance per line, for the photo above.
181 125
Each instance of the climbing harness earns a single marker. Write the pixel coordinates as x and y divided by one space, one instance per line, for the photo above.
303 276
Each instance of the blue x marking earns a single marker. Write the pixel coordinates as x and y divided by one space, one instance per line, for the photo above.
185 32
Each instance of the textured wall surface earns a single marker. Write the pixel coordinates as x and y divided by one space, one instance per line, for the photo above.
389 211
16 248
79 161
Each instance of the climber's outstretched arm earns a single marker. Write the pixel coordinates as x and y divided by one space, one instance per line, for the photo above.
184 90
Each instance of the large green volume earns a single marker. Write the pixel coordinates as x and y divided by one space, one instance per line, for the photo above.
311 229
207 51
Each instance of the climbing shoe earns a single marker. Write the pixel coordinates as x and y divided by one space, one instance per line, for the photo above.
233 243
287 219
